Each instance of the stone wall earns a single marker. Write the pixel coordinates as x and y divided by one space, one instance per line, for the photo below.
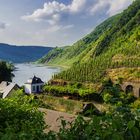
135 85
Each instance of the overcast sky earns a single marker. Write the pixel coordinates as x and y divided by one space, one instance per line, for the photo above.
53 23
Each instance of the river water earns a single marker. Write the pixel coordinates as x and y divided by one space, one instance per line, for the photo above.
25 71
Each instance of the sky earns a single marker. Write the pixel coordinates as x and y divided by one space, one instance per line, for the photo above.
53 22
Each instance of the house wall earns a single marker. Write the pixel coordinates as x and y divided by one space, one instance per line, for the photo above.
27 88
34 87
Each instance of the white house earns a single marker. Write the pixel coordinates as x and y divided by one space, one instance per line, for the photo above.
33 85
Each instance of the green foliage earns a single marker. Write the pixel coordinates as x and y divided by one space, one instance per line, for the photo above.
20 119
51 55
60 104
69 55
121 122
136 104
6 71
91 56
72 92
113 94
113 126
107 97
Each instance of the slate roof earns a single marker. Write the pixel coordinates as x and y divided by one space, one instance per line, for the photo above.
34 80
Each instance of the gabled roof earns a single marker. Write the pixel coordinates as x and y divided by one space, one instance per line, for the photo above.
34 80
6 88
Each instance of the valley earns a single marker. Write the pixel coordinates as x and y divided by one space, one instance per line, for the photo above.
86 91
113 44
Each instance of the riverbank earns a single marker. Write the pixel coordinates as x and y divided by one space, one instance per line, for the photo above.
63 67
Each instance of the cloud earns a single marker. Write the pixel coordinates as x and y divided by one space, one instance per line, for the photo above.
58 23
77 6
3 25
98 6
53 11
112 7
118 6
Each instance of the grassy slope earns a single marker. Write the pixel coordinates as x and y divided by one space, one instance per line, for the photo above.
113 44
61 104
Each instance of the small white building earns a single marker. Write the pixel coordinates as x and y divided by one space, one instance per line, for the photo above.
33 85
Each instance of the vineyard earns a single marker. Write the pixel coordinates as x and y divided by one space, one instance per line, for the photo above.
113 44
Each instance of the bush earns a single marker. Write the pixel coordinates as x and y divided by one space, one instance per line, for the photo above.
20 119
113 126
80 93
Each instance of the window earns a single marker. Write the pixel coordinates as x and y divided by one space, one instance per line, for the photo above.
41 87
33 88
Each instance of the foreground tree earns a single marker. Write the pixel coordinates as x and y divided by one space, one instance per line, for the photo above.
6 70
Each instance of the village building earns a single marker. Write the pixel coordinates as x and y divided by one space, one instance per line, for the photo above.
7 88
33 85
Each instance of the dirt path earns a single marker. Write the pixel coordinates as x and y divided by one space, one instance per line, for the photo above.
51 118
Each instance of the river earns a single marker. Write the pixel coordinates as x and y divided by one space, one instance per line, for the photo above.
25 71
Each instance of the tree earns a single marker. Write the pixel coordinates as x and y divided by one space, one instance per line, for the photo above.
6 70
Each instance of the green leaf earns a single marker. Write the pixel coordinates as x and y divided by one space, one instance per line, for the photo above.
117 137
136 133
131 124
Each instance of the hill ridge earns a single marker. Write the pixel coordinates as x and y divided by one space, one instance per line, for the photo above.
21 54
114 43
